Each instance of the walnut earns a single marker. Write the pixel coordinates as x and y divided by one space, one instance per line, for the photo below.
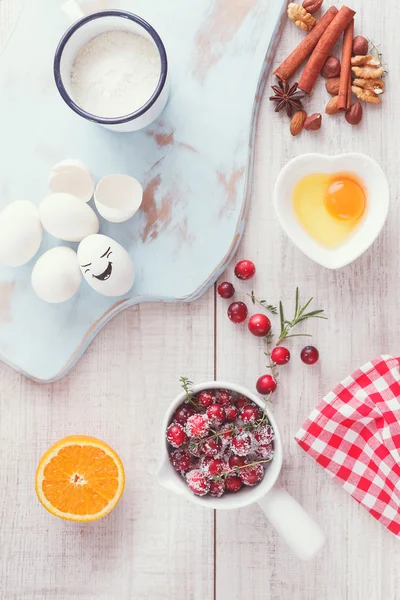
300 17
367 67
359 60
365 95
376 85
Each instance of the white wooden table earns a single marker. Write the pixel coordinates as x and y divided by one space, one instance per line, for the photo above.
156 546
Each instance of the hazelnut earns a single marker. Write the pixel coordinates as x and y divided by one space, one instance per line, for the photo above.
354 114
312 6
332 86
331 67
360 46
332 106
313 122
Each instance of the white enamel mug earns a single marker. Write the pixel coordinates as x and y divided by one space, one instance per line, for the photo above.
84 30
301 533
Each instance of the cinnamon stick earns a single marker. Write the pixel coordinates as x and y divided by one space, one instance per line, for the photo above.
349 92
324 48
345 73
299 54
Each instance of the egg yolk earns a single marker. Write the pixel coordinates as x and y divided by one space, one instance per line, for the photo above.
345 199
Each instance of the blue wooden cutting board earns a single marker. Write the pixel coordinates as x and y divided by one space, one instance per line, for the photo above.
195 164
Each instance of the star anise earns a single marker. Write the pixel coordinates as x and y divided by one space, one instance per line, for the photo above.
287 97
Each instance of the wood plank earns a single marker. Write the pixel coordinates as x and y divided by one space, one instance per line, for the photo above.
361 302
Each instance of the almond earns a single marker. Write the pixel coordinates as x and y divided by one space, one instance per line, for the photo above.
313 122
332 86
354 114
360 46
331 67
297 122
332 106
312 6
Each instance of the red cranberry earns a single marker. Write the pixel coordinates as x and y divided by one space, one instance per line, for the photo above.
280 355
266 452
237 312
180 460
226 290
205 398
264 435
266 384
212 467
245 269
216 414
252 474
236 461
309 355
223 397
217 488
197 425
182 413
211 446
259 325
242 443
233 483
241 401
250 414
197 482
176 435
231 413
226 435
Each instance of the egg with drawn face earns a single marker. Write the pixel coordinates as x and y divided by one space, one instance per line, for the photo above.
106 265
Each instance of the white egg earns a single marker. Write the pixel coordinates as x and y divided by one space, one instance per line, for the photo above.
20 233
106 265
118 197
67 217
72 177
56 276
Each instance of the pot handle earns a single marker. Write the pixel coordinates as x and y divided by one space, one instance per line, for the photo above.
301 533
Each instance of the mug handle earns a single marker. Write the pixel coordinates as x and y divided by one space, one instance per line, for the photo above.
300 532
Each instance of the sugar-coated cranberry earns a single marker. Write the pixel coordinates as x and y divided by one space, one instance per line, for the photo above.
211 446
250 414
197 482
226 435
252 474
194 448
265 451
266 384
233 483
242 443
241 401
180 460
231 413
264 435
237 312
259 325
216 414
236 461
245 269
226 290
205 398
212 467
309 355
197 425
176 435
217 488
223 397
280 355
182 413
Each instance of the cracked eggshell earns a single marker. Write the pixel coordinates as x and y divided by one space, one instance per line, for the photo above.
56 276
118 197
106 265
20 233
72 177
67 217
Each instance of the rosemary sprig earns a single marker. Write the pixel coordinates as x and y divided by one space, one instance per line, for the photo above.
186 384
225 474
300 315
270 307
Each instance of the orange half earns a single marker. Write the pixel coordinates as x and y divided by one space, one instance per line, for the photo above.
80 478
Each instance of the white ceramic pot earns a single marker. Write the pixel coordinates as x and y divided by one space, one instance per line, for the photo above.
84 30
294 525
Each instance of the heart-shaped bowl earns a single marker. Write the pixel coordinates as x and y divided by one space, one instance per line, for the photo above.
377 206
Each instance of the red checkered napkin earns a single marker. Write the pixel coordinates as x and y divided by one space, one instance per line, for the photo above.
354 433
